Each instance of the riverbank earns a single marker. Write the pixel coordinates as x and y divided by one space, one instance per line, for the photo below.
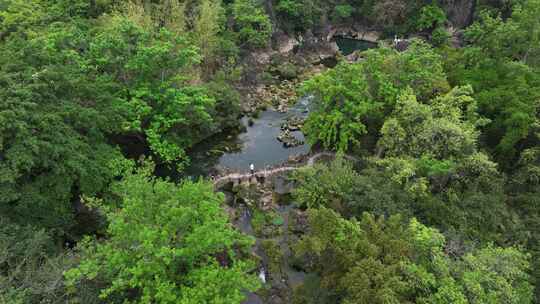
261 205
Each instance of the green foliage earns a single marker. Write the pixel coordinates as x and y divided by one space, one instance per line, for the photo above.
430 167
74 81
498 64
440 36
330 186
54 119
31 266
431 16
390 16
431 149
419 67
274 254
258 221
343 11
496 275
253 25
72 85
299 15
227 105
288 71
380 260
524 195
278 221
207 28
78 76
342 104
351 100
169 243
445 128
156 97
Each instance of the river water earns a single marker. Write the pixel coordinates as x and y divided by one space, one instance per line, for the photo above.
348 45
257 145
260 145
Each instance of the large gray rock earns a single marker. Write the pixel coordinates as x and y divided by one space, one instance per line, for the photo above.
282 185
286 44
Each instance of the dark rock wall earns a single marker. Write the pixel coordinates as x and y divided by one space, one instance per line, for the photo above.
460 12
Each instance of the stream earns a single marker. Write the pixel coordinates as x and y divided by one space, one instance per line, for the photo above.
287 274
258 145
235 152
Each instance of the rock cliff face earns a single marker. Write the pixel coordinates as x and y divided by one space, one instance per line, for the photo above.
460 12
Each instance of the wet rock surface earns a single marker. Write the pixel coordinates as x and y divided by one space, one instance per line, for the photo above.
288 139
274 228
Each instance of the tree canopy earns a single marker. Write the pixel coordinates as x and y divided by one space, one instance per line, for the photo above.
433 196
165 243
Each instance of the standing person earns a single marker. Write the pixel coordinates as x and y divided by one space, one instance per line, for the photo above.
252 168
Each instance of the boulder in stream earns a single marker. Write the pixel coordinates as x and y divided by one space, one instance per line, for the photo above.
288 139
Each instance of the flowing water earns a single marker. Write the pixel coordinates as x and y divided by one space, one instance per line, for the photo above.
258 145
244 225
288 274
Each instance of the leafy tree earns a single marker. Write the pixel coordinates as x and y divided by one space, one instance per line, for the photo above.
31 265
227 108
496 275
351 100
339 187
445 128
151 70
343 11
300 15
377 260
440 36
208 27
350 247
253 25
419 67
390 14
524 194
54 121
166 244
343 105
431 16
431 149
319 185
73 85
428 166
498 65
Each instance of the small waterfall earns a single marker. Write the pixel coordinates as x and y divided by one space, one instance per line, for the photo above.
262 275
244 222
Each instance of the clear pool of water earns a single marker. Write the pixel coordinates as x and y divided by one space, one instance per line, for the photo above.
347 45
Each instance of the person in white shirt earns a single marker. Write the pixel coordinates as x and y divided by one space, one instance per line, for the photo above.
252 168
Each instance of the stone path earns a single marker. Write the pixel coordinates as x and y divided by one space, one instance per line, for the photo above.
267 173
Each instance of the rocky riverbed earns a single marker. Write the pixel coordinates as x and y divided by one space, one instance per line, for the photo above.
267 213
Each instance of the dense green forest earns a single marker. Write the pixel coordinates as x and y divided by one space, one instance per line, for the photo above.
433 197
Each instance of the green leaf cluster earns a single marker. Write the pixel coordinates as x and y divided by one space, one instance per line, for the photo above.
166 243
351 100
378 260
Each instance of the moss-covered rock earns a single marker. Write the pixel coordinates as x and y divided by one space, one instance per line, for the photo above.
288 71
